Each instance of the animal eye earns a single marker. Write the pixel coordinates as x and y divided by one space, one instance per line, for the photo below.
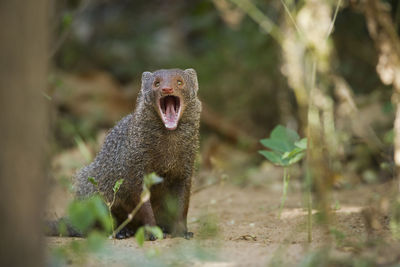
180 82
157 84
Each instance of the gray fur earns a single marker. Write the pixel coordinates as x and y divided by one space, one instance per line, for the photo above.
140 144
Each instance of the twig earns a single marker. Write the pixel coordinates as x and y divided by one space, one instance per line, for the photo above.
309 148
292 19
284 189
263 21
333 20
128 219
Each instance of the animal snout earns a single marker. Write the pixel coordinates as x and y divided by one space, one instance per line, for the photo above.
167 90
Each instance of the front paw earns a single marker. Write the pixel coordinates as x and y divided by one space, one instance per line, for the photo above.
124 233
153 233
150 237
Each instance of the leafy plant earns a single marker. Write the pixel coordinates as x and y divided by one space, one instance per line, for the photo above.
84 214
140 235
149 180
116 187
286 148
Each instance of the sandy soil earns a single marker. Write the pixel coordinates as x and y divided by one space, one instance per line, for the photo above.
236 226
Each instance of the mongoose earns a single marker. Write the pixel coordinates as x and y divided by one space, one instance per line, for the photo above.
161 136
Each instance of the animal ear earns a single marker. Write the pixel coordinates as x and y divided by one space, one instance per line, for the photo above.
193 78
146 77
146 81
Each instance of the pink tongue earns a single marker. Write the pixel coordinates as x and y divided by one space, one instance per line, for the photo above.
170 113
170 108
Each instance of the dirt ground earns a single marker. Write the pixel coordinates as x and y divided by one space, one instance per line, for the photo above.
237 226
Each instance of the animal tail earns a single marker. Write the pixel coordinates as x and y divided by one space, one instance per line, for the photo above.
61 227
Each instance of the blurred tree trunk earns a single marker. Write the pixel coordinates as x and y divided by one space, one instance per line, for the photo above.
24 130
384 33
307 58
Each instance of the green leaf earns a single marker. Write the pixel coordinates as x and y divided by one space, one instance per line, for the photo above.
117 185
92 181
285 145
286 155
80 215
283 133
83 214
296 158
139 236
100 210
277 145
301 144
293 153
152 179
95 241
272 156
155 230
281 139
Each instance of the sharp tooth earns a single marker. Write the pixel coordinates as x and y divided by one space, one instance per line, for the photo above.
175 104
162 105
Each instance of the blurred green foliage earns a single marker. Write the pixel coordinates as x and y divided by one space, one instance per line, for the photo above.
208 226
286 149
145 231
84 214
92 217
286 146
237 67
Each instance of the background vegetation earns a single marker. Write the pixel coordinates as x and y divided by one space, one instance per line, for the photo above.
329 70
253 76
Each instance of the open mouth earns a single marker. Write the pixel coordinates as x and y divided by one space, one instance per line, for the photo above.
170 109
